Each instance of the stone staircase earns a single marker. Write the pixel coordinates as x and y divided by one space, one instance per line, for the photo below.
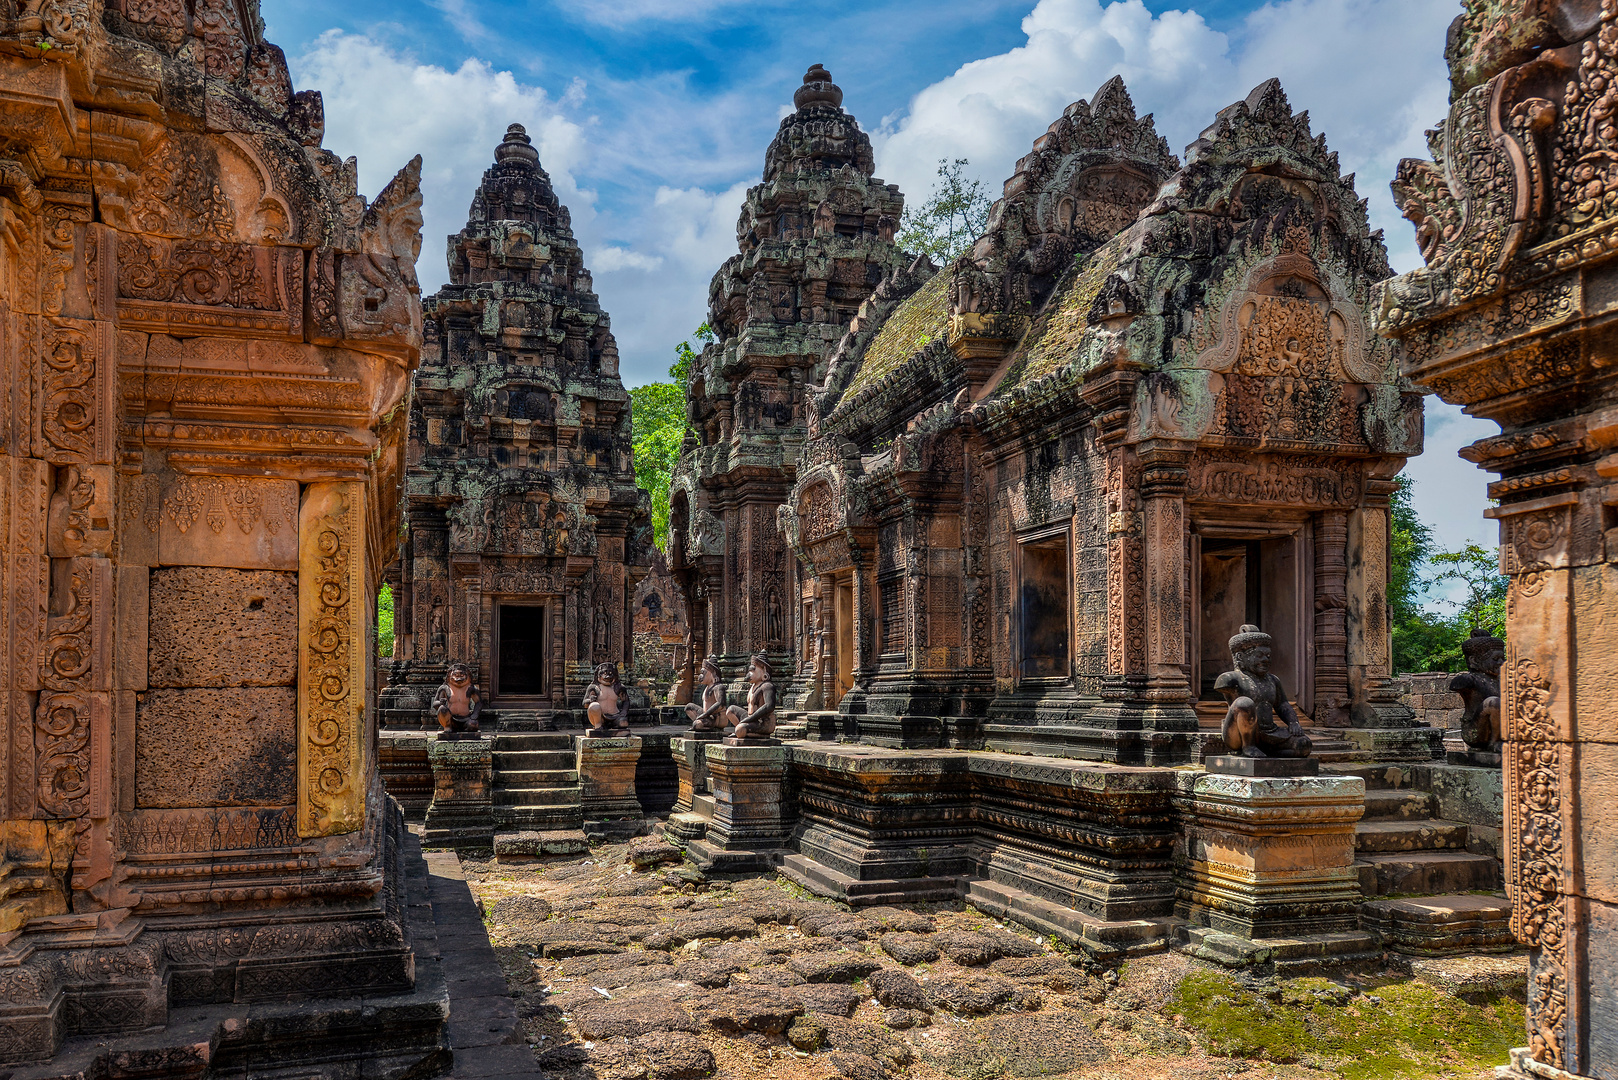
536 795
1425 892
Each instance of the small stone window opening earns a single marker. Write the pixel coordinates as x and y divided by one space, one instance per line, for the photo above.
1043 607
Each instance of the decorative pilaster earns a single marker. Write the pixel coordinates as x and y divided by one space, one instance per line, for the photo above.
333 773
1331 625
1168 693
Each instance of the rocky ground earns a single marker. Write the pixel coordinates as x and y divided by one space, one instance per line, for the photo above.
628 965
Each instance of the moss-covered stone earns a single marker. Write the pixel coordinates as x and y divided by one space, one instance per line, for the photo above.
1405 1029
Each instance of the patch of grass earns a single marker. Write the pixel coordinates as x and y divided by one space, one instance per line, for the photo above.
1406 1029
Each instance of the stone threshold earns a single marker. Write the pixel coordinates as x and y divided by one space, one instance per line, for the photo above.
1306 954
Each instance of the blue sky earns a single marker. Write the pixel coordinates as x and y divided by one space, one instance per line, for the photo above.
652 116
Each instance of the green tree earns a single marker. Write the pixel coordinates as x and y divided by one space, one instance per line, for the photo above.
1478 569
658 427
1425 638
384 621
954 215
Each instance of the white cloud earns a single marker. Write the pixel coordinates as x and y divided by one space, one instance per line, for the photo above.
608 259
384 107
1371 72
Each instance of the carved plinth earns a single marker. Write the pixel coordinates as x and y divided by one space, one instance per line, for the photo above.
406 771
461 814
753 817
607 786
691 763
1269 860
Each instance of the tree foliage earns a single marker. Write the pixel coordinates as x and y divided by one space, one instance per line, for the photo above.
954 215
1425 637
658 427
384 621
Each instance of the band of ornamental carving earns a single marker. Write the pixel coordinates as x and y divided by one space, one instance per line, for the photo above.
1536 860
331 650
212 286
1232 478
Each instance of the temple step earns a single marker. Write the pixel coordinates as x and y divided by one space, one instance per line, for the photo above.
1399 804
560 795
1383 836
527 845
538 740
1441 925
534 759
1428 873
538 778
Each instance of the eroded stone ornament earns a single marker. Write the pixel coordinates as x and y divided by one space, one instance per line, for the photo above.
1479 687
1257 699
758 722
606 702
710 715
458 702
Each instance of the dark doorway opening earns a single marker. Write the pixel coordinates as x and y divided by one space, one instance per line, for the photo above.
522 650
1044 608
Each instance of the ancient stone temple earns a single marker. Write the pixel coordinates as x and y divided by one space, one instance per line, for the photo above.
206 335
816 237
526 533
1044 486
1517 218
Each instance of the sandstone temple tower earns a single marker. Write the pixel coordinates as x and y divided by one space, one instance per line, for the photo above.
526 532
206 335
816 237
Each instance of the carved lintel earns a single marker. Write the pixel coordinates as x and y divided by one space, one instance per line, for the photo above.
332 612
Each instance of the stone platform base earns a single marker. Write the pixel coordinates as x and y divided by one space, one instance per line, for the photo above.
714 860
824 881
1307 954
1524 1067
1395 744
1097 938
530 845
382 1036
1441 925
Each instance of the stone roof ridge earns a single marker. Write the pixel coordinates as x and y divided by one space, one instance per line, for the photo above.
1108 121
818 135
846 358
1263 118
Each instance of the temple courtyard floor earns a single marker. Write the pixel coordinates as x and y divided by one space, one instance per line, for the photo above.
624 963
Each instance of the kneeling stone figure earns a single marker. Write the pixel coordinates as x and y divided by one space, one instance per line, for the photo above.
1256 700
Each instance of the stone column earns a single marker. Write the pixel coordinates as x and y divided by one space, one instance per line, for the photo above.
1168 694
1264 868
461 814
1331 627
1529 345
1370 646
607 787
752 818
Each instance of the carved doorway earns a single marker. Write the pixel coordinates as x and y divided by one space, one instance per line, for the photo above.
1258 580
522 658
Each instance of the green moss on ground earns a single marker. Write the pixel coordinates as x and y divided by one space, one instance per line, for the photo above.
1405 1029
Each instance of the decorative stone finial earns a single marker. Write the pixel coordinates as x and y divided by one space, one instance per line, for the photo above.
516 146
817 86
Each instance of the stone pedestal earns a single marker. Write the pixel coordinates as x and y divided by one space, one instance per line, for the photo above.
691 764
1264 870
461 814
752 817
607 787
406 772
